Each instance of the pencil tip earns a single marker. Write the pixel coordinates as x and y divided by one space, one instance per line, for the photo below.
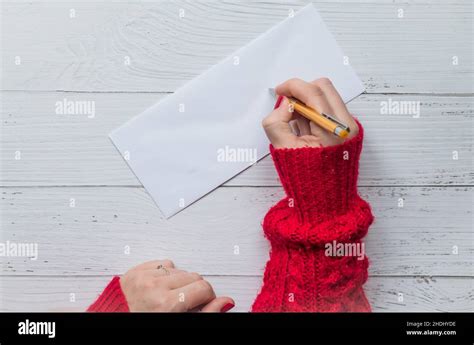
272 92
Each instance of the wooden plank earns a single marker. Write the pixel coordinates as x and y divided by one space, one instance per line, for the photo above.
90 52
75 149
111 229
419 294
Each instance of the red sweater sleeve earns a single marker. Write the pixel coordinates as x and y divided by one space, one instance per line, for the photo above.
112 299
322 211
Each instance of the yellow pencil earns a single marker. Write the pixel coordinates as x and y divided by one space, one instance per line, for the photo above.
325 121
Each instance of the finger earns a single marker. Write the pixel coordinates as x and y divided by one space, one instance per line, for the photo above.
313 96
318 131
294 127
320 104
195 294
334 99
179 280
301 90
303 125
277 127
219 305
278 102
337 104
325 138
154 264
163 272
281 114
308 93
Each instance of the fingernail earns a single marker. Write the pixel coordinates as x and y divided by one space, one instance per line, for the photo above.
227 307
278 102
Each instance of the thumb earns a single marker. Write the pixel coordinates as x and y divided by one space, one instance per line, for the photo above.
219 305
276 125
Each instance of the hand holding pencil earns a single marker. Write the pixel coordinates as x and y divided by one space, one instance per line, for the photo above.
288 127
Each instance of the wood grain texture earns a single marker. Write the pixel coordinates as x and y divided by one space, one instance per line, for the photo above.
75 149
420 294
88 52
91 238
70 156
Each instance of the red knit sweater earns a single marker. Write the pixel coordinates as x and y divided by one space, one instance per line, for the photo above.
111 299
321 208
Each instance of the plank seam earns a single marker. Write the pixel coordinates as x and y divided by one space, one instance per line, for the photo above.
225 275
432 94
238 186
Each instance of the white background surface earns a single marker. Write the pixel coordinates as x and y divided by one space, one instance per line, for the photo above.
64 156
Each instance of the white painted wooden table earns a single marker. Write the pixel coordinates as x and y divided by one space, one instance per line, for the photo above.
126 55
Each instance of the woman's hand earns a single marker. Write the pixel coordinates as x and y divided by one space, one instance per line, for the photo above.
321 95
157 286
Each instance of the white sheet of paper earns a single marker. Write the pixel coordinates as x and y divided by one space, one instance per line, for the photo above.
173 147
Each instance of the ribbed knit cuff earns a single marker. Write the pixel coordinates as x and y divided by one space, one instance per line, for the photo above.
321 182
322 202
112 299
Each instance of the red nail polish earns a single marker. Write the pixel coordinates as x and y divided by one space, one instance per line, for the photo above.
278 102
227 307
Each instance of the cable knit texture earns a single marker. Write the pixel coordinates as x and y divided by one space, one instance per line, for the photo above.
111 299
322 206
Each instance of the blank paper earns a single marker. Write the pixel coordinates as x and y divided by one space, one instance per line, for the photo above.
196 139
